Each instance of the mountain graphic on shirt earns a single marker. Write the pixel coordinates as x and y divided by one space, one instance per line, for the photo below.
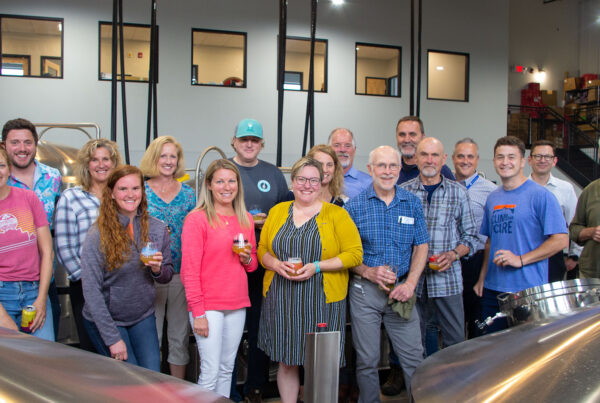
11 222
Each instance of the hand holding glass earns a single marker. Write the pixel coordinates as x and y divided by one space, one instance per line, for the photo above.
240 244
297 263
391 268
148 251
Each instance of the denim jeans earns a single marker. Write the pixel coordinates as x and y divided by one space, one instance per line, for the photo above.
15 295
140 339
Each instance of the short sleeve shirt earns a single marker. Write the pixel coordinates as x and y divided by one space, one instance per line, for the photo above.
21 214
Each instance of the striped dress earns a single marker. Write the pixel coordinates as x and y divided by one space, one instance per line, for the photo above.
293 308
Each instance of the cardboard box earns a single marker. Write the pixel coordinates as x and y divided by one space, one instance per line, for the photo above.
586 79
592 94
571 83
549 98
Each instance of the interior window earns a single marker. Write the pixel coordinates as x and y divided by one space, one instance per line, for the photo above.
27 42
377 70
297 63
218 58
136 46
447 75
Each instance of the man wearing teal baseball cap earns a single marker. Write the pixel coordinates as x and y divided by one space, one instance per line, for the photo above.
264 187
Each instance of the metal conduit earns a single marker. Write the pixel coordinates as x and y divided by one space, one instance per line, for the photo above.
152 118
310 102
281 75
123 98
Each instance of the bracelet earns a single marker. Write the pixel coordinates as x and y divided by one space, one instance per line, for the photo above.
249 261
521 257
318 267
456 253
200 317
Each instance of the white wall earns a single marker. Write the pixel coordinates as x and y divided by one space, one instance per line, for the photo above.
203 116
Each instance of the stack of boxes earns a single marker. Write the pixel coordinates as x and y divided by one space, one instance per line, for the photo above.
579 93
531 96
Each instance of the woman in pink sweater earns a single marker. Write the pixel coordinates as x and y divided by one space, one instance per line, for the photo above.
214 276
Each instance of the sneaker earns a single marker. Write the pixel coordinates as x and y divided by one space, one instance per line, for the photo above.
255 396
394 383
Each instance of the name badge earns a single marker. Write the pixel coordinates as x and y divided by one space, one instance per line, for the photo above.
406 220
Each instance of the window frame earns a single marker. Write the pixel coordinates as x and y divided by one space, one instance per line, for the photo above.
467 74
125 24
59 20
388 79
325 64
218 31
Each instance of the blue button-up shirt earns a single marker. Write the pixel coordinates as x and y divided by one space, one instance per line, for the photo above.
478 189
355 181
46 185
388 232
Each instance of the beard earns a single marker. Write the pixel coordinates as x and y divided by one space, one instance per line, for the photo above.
429 172
27 164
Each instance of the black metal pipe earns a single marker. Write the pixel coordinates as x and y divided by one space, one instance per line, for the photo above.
113 81
419 52
309 122
154 60
412 58
123 97
151 73
281 75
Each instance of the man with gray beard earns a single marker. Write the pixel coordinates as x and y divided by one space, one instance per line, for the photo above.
453 234
355 181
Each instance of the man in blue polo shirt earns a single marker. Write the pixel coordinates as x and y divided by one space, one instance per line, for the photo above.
344 145
394 233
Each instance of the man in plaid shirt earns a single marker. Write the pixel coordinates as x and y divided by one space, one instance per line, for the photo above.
453 234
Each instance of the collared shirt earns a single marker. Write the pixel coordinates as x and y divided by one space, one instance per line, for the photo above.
587 214
388 232
408 172
567 199
46 185
450 222
355 181
76 211
478 189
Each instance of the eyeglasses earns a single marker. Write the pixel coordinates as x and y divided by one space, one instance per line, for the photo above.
301 180
392 167
545 157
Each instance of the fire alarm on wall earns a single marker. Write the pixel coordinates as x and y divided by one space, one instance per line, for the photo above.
140 55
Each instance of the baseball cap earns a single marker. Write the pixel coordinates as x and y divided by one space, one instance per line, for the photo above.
249 127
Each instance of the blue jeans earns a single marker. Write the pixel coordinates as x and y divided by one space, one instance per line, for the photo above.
15 295
140 339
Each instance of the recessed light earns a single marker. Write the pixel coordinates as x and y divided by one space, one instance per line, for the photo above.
440 68
337 2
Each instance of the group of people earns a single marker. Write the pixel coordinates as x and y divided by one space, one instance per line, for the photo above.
410 244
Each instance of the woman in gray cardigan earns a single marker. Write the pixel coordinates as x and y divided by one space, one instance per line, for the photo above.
117 286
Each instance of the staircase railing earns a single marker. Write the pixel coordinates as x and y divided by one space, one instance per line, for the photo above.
575 146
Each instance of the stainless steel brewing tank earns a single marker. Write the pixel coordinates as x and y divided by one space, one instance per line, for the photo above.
61 157
551 360
549 300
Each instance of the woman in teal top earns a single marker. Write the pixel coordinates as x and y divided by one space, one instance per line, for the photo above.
170 201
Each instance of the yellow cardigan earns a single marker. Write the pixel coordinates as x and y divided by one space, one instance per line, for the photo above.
339 237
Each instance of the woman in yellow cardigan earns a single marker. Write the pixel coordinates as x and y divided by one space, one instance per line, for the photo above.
325 239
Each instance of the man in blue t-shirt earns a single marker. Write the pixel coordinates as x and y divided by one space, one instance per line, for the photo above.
524 225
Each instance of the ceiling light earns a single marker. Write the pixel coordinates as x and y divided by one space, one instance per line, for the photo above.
337 2
440 68
60 27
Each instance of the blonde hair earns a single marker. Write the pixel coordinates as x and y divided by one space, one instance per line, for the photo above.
84 156
149 162
307 162
115 242
205 199
337 182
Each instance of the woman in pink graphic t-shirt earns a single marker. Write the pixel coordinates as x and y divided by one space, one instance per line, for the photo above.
25 256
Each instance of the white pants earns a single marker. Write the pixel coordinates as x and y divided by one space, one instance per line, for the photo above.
219 349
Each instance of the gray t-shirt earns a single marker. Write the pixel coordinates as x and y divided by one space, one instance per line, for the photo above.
264 187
